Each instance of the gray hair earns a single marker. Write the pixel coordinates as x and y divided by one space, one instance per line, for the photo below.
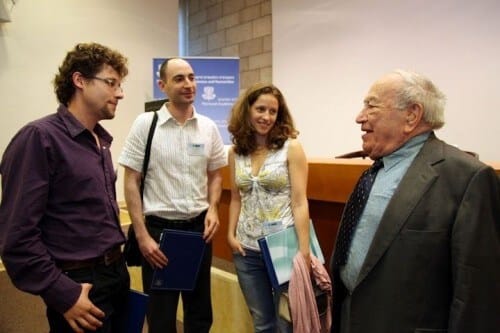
419 89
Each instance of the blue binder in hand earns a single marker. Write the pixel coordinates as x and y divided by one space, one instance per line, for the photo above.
136 311
184 250
278 250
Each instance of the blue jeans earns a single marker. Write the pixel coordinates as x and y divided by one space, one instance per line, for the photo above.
261 300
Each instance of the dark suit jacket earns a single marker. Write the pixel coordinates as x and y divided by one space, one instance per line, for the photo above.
434 263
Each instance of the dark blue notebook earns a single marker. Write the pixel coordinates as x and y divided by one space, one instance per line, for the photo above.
136 311
184 250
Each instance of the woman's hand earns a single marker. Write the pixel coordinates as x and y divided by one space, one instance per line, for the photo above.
307 258
235 245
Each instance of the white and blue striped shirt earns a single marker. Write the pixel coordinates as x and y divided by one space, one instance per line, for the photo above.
181 154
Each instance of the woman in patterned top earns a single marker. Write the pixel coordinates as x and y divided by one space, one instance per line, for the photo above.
268 193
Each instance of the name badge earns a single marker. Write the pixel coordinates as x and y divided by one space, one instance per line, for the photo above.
269 227
196 149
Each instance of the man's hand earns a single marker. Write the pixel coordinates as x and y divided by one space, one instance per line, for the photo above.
84 314
211 224
151 251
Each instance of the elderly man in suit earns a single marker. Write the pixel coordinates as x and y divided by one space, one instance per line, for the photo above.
423 253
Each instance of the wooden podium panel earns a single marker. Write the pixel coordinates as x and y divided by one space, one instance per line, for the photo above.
329 185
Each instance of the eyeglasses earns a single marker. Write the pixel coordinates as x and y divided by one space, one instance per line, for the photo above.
112 83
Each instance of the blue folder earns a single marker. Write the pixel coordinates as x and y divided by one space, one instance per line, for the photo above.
136 311
184 250
278 250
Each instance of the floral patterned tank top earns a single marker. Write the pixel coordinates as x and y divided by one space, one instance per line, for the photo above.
265 198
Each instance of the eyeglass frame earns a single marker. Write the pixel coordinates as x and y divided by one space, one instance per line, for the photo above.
110 82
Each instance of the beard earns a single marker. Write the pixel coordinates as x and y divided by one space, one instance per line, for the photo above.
107 112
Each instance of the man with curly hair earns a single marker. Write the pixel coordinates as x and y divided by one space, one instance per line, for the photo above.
60 234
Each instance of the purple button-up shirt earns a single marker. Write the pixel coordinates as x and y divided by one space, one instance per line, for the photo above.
58 203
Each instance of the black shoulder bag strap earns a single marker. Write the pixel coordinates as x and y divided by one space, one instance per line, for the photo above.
131 250
147 152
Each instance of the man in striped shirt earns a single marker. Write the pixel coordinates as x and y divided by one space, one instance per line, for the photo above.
181 191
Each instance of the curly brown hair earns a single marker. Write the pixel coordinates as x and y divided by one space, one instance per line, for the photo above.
242 131
88 59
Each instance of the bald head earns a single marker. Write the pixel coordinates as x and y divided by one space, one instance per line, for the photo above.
177 81
175 62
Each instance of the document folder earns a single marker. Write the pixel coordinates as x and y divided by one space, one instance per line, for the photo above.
136 311
184 250
278 250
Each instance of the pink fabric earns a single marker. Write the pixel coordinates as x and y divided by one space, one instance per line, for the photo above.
303 307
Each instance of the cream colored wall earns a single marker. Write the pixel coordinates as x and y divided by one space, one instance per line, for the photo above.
327 53
33 45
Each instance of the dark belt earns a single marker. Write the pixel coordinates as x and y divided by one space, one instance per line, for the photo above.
198 219
109 257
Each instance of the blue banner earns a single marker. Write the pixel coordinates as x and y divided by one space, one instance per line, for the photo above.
218 87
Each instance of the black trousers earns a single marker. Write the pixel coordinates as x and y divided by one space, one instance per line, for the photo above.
111 284
197 304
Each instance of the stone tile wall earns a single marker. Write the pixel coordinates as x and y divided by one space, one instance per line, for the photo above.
234 28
